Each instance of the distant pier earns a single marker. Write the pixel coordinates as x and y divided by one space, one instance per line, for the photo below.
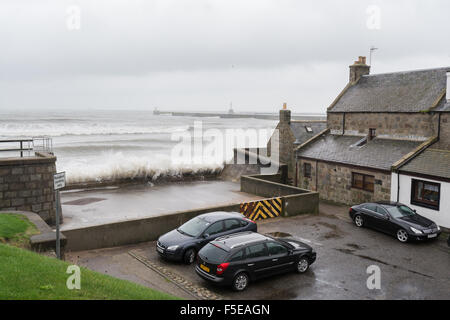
235 115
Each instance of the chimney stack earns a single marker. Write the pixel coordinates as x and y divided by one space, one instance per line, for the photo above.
285 114
358 69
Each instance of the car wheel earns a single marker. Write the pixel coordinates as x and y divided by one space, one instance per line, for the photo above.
240 281
302 265
359 221
402 235
189 256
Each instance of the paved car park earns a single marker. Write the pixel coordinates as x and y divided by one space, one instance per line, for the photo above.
344 252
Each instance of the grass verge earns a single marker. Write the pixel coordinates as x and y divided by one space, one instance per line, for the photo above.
16 230
28 275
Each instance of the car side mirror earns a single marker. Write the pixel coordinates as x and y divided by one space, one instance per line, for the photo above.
290 252
387 218
205 235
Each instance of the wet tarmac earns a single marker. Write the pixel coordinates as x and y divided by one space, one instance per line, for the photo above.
408 271
93 207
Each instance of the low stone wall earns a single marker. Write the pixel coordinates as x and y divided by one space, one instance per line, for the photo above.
26 184
133 231
296 201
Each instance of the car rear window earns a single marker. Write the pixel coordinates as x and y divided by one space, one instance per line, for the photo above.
213 254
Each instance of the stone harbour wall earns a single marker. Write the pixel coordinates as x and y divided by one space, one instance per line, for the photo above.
26 184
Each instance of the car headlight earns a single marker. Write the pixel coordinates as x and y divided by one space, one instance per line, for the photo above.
438 228
416 231
172 248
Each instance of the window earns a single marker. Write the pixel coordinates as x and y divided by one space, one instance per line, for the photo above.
256 251
238 256
372 133
371 207
363 181
275 248
425 194
243 223
214 254
381 211
308 129
231 224
307 170
215 228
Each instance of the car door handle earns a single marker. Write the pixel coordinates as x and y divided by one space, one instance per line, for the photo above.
276 259
251 264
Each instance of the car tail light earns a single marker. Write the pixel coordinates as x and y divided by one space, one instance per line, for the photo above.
247 219
222 267
350 210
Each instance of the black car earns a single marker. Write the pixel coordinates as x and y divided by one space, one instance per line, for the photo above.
182 244
396 219
243 257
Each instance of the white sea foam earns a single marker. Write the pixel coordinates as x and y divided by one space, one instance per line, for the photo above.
119 166
77 129
115 145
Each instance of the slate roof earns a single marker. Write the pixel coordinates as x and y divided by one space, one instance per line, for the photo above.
410 91
378 153
301 134
432 162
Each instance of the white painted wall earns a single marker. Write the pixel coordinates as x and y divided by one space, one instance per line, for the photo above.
441 217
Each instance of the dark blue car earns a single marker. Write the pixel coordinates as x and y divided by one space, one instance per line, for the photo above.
182 244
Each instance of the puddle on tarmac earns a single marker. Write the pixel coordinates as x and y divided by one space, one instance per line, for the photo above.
279 234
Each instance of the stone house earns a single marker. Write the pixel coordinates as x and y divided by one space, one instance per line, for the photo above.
422 181
375 125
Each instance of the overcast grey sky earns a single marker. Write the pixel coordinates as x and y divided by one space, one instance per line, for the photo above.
203 54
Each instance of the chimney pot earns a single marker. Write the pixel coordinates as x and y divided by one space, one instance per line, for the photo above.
285 114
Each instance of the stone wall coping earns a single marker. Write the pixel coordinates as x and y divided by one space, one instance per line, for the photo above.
260 178
37 159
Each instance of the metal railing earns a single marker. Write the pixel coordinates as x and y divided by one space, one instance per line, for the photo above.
26 147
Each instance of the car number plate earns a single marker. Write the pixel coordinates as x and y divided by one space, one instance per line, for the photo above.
159 249
204 267
432 235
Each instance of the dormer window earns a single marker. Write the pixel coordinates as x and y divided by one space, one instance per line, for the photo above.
308 129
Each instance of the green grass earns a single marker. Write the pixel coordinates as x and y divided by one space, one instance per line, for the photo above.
16 230
28 275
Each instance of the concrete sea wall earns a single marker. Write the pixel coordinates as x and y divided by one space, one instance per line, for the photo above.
296 200
133 231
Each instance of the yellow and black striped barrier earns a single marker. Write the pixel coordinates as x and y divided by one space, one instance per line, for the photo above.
262 209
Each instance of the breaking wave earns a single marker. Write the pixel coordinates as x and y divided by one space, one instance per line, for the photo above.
119 167
62 129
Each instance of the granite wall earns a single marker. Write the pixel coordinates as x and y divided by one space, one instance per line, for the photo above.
334 183
26 184
414 126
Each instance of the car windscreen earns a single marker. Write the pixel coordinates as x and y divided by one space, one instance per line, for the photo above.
194 227
400 211
213 254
